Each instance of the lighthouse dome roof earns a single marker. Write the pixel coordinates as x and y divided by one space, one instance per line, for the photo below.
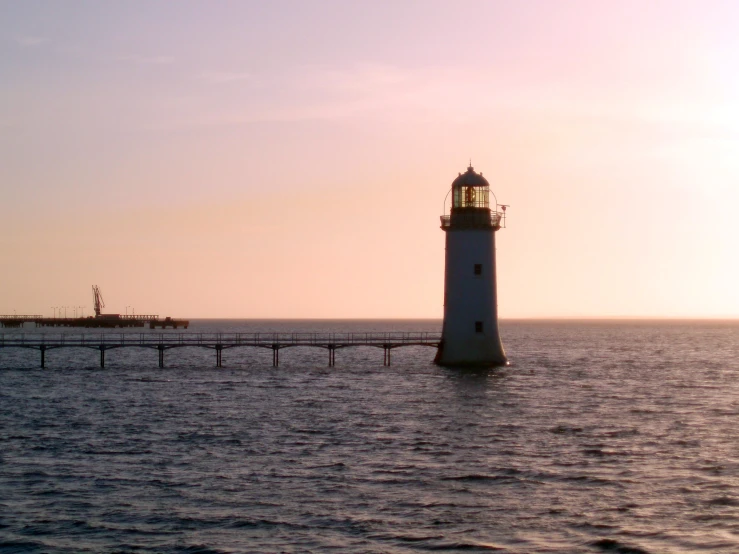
470 179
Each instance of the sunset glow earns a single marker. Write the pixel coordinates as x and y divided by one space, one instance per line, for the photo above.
291 159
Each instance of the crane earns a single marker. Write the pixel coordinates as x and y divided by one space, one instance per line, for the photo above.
97 300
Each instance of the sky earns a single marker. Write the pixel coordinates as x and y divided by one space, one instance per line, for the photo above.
290 159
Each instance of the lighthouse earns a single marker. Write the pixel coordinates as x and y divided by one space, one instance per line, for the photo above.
470 334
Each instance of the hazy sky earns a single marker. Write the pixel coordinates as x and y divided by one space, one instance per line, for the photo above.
291 159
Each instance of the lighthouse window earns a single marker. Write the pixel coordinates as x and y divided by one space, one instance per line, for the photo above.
478 326
478 269
457 197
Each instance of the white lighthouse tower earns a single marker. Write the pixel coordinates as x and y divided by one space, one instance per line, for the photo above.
470 334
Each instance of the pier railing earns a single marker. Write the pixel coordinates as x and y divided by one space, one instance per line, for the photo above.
218 342
21 317
138 317
225 339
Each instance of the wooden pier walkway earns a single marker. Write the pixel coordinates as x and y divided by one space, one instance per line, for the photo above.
219 342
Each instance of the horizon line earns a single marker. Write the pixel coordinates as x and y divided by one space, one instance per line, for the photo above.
523 318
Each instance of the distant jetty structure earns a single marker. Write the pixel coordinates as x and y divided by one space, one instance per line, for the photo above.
101 320
105 321
470 335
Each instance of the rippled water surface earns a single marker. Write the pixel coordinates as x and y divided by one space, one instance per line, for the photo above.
614 437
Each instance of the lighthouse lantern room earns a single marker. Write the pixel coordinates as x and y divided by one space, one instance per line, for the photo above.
470 335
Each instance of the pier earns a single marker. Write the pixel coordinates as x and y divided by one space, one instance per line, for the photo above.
103 321
17 320
218 342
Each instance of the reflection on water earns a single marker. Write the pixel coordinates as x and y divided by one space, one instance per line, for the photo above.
600 437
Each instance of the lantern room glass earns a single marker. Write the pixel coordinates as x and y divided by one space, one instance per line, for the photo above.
470 196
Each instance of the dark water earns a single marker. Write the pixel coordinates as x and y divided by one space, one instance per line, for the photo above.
615 437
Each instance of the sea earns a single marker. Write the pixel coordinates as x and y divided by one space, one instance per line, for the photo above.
599 437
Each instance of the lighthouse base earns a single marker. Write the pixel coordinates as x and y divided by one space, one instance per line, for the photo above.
470 353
